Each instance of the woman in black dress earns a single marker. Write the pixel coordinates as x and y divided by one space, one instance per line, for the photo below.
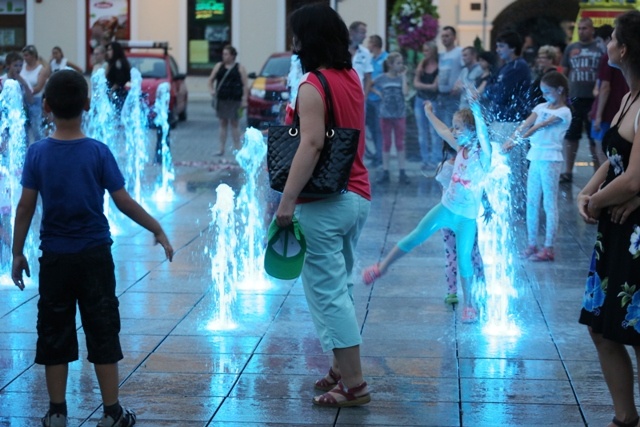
228 86
611 304
118 74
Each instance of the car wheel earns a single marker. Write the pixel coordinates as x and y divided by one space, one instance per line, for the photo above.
183 116
253 123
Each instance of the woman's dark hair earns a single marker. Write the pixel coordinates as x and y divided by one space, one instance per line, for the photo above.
118 54
119 68
321 37
232 50
627 31
66 93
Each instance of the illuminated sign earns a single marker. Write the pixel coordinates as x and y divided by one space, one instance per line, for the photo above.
208 9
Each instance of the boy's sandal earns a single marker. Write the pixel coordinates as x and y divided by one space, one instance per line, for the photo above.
619 423
370 274
350 396
328 382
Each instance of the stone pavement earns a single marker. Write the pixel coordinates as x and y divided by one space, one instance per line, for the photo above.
424 367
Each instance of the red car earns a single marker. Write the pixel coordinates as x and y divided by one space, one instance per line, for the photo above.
157 66
269 92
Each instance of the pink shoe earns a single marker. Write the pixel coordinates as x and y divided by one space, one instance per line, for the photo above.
370 274
531 250
469 315
546 254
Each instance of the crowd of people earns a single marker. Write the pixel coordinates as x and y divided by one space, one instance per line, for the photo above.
538 120
32 72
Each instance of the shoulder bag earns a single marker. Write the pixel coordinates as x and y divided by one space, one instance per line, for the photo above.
331 174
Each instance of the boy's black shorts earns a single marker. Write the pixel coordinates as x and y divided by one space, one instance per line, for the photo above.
88 279
580 119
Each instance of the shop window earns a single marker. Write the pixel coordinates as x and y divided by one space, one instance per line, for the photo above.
209 30
12 26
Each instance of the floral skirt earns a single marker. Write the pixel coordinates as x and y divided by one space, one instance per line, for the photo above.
611 302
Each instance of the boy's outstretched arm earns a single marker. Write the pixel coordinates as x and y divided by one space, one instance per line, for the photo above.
24 214
133 210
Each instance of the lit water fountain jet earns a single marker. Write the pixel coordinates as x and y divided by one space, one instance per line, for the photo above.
100 123
164 192
250 211
496 243
134 117
224 266
13 148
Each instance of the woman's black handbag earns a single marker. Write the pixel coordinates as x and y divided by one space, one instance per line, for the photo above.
331 174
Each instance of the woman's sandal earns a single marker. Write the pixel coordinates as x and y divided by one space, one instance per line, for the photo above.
328 382
619 423
350 396
370 274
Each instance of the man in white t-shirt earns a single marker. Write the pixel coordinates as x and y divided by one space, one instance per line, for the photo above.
469 75
360 55
449 68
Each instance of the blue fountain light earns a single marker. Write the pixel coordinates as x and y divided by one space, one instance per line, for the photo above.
164 191
496 243
134 117
224 263
102 123
250 211
13 149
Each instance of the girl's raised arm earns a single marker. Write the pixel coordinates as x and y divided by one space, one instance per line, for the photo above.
439 126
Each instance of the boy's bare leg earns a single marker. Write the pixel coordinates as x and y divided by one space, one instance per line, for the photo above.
56 377
108 379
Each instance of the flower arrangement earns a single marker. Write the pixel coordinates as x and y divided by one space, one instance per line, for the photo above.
415 22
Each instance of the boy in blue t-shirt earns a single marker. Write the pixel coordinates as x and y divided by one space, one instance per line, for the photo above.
71 173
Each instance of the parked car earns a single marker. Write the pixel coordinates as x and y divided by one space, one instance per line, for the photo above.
157 66
269 92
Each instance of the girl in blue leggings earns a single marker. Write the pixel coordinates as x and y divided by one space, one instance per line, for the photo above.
459 206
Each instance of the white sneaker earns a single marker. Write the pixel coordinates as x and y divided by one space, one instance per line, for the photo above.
55 420
127 419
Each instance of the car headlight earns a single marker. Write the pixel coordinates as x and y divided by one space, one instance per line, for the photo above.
258 93
284 96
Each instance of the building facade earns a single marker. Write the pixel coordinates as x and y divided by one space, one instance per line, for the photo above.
197 29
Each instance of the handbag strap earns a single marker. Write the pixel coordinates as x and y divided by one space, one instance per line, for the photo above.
328 99
219 85
327 96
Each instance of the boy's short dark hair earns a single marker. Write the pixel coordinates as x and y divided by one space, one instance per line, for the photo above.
13 57
66 93
511 39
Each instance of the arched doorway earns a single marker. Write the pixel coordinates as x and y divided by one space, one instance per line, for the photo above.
539 19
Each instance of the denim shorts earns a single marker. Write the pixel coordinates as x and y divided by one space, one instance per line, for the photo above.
87 279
